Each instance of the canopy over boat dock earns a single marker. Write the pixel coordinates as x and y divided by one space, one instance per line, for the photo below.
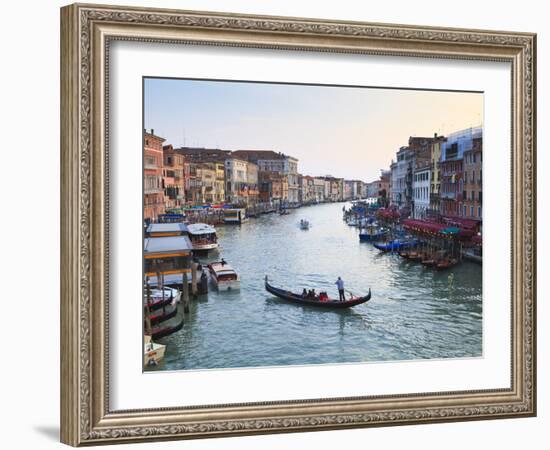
166 229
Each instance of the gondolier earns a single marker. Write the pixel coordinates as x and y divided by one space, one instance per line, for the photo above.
340 284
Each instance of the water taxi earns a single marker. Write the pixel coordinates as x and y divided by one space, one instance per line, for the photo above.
224 276
202 236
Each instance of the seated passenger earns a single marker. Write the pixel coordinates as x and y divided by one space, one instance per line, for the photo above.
304 293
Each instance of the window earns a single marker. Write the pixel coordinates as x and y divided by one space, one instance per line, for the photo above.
479 195
464 211
479 212
471 211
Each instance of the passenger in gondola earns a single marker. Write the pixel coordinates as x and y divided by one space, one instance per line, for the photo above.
223 262
304 293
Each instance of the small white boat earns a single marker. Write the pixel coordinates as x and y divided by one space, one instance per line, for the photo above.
224 276
304 224
152 352
202 236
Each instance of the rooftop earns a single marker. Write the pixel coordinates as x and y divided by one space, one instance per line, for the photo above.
176 227
200 228
167 244
255 155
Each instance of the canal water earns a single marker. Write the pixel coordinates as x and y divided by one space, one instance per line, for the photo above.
414 313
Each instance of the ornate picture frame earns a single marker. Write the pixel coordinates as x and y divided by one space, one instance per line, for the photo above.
86 34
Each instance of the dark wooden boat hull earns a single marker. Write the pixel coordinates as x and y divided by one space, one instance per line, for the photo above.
445 265
331 304
160 304
160 317
160 332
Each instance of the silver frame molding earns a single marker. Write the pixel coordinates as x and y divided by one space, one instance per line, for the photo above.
86 32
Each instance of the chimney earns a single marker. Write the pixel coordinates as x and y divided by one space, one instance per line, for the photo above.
152 131
435 135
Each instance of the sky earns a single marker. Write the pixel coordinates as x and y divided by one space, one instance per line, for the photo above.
347 132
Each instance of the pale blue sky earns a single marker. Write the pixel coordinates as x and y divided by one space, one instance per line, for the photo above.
347 132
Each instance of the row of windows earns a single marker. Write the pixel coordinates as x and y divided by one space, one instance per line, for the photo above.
423 176
471 211
422 193
472 158
472 195
473 178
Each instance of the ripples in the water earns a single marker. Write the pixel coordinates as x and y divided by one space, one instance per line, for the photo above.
414 313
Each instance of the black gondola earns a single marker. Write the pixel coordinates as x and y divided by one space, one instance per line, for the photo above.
168 312
297 298
159 303
160 332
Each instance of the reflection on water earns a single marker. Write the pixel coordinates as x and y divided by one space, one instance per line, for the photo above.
414 312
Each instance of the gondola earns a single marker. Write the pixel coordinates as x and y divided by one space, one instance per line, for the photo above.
167 313
297 298
446 264
163 331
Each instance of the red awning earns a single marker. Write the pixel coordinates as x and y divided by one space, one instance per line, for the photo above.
460 222
434 228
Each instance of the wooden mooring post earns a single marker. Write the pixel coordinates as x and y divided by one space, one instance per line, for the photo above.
194 289
185 293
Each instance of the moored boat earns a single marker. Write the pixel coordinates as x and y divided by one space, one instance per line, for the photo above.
202 236
234 215
160 331
394 246
153 353
372 233
160 298
224 276
446 263
320 301
162 315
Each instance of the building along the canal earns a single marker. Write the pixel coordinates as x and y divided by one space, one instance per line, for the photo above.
153 194
452 181
421 189
173 177
435 175
473 192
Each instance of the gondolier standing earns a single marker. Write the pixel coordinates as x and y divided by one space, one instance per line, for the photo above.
340 284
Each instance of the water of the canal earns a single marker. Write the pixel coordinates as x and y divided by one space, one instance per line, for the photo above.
414 313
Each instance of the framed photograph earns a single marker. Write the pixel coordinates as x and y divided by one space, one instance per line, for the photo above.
276 224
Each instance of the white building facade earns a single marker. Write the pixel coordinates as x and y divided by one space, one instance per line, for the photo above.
421 191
